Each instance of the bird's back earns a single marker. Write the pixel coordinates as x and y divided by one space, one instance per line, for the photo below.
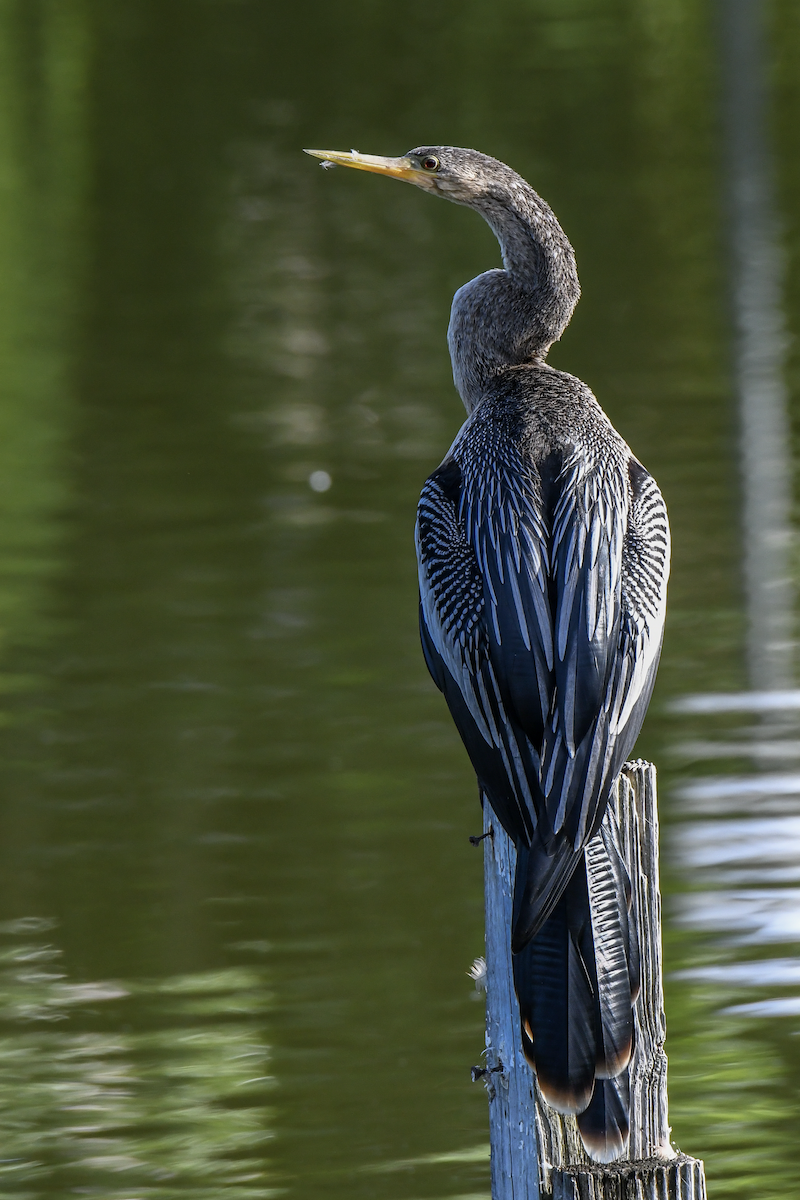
551 543
543 551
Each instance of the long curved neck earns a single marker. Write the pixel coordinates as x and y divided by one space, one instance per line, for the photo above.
507 317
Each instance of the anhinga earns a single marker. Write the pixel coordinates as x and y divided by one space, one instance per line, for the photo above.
543 549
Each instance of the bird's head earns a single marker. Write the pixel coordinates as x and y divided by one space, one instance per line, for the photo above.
463 176
494 322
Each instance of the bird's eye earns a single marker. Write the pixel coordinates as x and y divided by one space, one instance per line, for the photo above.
430 163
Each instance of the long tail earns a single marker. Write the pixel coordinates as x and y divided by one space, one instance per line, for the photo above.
576 981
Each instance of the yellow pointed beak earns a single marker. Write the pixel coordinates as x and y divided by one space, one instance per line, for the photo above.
397 168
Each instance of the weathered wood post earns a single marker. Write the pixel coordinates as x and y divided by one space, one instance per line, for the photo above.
536 1153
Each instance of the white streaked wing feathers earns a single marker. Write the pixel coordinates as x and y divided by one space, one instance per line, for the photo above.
609 555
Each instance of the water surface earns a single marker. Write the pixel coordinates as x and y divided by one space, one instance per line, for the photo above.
237 899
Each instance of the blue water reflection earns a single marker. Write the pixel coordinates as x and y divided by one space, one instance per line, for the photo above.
740 852
735 841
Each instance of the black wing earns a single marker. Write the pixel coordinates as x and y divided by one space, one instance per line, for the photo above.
543 629
455 642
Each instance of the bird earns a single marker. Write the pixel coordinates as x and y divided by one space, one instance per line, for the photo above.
543 548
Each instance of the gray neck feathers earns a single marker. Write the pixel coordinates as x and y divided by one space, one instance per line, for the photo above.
507 317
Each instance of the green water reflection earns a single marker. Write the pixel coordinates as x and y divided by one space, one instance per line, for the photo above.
238 899
91 1105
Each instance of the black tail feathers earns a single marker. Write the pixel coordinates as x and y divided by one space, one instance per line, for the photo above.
603 1124
540 882
576 980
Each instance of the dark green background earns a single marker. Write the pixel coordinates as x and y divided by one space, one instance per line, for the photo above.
237 899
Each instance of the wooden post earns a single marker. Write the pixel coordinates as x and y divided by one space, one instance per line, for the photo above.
537 1153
